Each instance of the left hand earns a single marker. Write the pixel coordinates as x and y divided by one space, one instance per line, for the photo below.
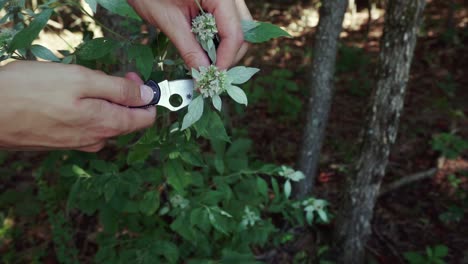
174 18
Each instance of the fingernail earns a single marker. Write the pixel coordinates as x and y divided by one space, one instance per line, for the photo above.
147 94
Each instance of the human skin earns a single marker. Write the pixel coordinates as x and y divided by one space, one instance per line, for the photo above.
46 106
50 106
174 18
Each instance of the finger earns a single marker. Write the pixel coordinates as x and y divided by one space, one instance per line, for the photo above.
99 72
242 51
134 77
230 32
190 50
93 148
176 24
244 14
114 120
118 90
243 10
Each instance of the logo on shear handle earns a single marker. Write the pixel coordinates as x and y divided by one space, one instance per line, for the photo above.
165 89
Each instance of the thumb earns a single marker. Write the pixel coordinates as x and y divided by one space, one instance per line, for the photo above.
122 91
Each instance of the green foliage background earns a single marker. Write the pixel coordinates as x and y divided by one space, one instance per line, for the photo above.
165 195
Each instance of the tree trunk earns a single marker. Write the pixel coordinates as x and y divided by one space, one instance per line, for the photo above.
402 22
321 86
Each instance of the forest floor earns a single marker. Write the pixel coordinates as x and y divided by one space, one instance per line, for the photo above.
424 213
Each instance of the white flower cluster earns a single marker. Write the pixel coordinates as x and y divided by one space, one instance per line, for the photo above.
210 81
291 174
249 218
312 205
179 201
204 27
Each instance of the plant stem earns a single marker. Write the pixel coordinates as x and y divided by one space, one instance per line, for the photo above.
64 40
97 21
199 6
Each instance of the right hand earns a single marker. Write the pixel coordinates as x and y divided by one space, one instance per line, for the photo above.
174 18
49 106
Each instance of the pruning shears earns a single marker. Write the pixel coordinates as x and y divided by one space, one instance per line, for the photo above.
164 90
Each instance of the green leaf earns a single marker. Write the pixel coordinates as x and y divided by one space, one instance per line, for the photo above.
73 195
120 7
440 251
262 187
150 136
80 172
210 48
264 32
108 219
239 148
241 74
232 257
195 112
199 217
103 166
287 188
139 154
211 127
109 190
237 163
96 48
219 146
150 203
217 221
219 164
43 53
217 103
192 159
414 257
275 186
123 204
196 74
2 3
177 177
310 217
25 37
269 169
237 94
212 52
143 56
429 252
168 249
182 227
248 25
92 4
68 59
323 215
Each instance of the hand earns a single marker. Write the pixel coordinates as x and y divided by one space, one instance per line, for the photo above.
46 106
174 18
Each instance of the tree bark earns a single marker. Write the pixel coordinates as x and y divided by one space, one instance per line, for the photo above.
402 22
321 88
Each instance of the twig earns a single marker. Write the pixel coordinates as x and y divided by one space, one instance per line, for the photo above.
388 243
267 255
407 180
200 7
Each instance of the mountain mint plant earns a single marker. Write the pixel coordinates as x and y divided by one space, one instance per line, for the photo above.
205 30
290 175
164 196
211 82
